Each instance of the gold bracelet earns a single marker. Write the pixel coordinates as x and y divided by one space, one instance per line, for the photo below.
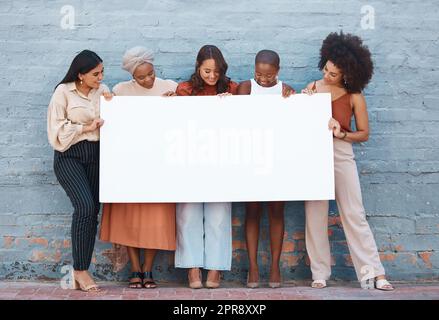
345 134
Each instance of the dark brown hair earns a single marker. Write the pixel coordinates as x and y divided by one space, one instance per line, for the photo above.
347 52
84 61
210 52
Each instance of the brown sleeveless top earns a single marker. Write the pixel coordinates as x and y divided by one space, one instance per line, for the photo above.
341 110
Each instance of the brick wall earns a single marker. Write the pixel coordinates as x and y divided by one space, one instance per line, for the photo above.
399 165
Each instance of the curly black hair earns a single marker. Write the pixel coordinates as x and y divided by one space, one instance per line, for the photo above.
347 52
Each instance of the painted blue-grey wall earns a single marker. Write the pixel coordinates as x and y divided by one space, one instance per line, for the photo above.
399 165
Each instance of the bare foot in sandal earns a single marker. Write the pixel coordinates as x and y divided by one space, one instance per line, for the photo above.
318 284
136 280
382 284
148 281
83 281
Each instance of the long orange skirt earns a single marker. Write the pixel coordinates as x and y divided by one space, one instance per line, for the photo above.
139 225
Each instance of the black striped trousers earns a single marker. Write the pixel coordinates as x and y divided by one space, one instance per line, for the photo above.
77 170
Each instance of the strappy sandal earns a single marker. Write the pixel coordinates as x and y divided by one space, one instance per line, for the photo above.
76 285
136 284
383 284
148 281
318 284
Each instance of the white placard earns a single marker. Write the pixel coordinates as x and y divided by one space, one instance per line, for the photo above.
213 149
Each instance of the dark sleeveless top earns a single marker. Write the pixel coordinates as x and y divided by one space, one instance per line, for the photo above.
342 110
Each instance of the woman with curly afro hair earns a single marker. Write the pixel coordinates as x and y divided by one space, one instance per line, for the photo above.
347 68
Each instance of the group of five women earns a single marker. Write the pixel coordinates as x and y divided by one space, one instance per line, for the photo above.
201 233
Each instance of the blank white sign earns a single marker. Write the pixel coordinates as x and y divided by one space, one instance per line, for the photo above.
216 149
